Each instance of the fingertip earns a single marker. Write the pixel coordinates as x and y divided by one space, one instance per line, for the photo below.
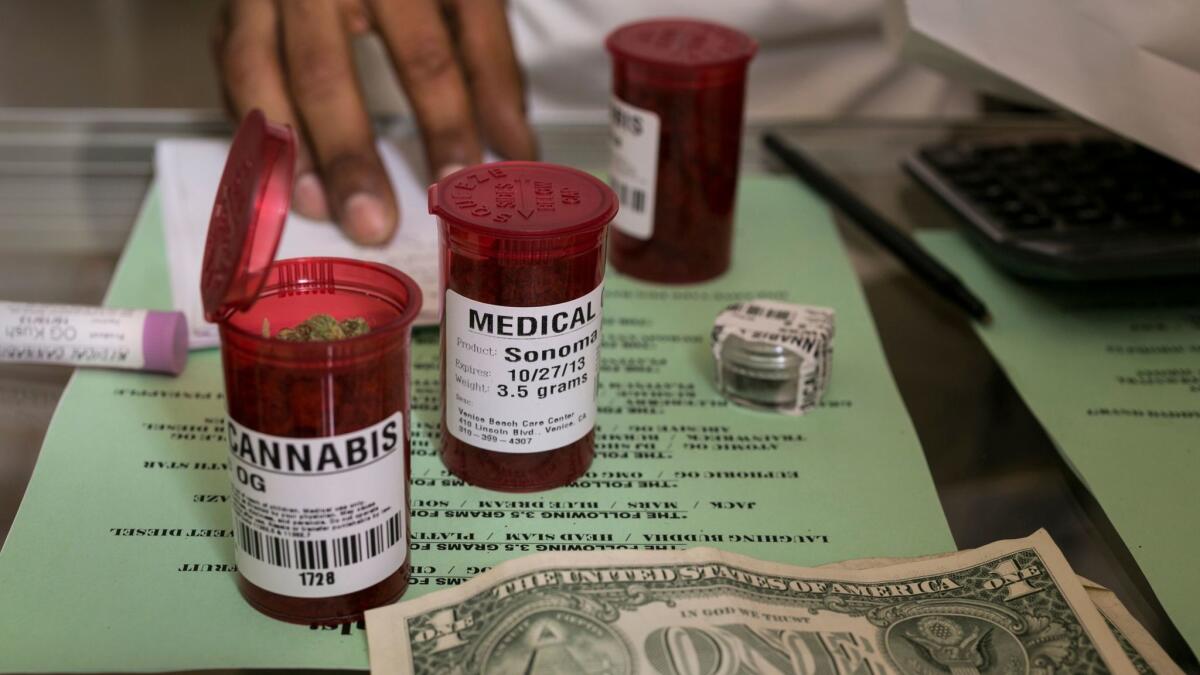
527 148
365 219
308 197
449 153
511 135
448 169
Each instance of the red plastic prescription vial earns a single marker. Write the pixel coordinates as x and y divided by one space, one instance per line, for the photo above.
522 247
317 431
679 89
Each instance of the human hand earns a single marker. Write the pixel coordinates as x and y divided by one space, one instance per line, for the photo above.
454 59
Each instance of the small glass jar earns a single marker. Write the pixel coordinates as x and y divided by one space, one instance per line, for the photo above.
774 355
759 375
679 89
522 247
318 431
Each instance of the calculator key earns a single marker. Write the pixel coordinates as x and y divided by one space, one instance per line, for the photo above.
1069 202
1049 188
1027 174
1092 216
1046 148
1186 196
1000 156
992 193
1105 151
1052 151
950 158
1106 183
1010 207
970 180
1028 220
1188 218
1148 211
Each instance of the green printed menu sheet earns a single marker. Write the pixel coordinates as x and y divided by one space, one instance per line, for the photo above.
1113 374
122 557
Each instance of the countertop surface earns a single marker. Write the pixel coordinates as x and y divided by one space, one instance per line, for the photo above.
71 182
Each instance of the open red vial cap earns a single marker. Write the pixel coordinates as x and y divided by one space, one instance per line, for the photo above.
523 200
682 44
248 215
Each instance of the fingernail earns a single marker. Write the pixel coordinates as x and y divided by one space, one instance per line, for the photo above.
449 169
363 218
308 197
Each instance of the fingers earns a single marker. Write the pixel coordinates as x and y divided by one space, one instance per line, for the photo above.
218 36
326 91
313 86
425 59
355 16
247 52
493 76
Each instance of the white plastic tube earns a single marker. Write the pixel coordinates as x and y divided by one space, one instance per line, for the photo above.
103 337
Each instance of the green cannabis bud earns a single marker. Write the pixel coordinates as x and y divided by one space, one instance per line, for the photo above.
321 328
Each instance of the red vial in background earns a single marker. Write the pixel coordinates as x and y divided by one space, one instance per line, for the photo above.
318 432
522 247
679 89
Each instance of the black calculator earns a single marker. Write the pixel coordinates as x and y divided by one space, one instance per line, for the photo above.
1078 210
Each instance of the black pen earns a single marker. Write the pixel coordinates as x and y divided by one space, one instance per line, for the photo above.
901 245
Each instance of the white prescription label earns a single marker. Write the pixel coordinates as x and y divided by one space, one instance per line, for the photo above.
521 379
633 166
318 517
68 335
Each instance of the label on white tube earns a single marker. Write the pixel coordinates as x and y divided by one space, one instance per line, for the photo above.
633 166
71 335
319 517
521 379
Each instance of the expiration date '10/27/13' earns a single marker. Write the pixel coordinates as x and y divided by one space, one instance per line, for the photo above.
549 374
544 373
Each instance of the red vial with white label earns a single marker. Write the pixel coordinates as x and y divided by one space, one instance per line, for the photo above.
679 89
318 441
523 254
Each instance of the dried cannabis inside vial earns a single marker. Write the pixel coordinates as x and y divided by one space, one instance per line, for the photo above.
320 328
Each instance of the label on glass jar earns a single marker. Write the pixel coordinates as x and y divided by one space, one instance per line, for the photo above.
804 330
69 335
318 517
521 379
633 166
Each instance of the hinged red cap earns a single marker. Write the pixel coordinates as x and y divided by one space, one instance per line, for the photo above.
248 214
523 199
682 43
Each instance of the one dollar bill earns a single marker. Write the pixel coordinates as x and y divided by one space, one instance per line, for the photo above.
1009 607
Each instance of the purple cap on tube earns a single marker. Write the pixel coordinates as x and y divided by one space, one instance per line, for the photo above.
165 342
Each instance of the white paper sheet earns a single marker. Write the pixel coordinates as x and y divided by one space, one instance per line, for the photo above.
188 172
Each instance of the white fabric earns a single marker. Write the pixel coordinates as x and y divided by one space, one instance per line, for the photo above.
817 58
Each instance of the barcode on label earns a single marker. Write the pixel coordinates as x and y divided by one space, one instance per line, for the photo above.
318 554
629 196
758 310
